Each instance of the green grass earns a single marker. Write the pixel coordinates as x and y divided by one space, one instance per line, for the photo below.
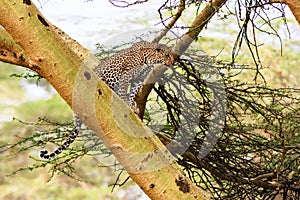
10 89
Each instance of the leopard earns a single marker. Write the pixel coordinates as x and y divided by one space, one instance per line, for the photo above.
125 69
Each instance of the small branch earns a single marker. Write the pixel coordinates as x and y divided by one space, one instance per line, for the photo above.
262 176
266 3
198 24
161 34
118 3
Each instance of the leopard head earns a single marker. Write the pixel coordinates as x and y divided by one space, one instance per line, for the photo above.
158 54
153 53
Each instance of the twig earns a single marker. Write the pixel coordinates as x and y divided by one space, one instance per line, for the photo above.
162 33
126 4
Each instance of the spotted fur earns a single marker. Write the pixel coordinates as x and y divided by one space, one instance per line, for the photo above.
44 154
128 67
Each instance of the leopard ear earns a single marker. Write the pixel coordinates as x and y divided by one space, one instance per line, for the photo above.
158 48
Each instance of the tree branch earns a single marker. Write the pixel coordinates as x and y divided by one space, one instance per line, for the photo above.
124 3
78 49
174 19
11 52
198 24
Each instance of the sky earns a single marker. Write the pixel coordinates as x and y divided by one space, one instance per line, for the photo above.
96 21
91 22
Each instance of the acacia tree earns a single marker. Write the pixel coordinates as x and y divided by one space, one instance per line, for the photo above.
31 41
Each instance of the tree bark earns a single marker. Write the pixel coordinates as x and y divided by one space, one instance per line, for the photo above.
59 59
294 6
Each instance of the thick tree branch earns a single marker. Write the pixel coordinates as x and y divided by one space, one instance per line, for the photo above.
78 49
12 53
